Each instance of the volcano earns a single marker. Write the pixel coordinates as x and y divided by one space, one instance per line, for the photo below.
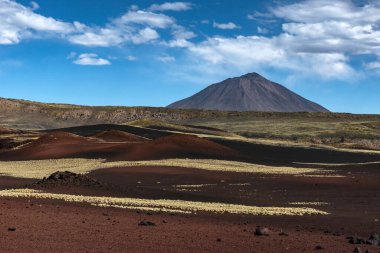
250 92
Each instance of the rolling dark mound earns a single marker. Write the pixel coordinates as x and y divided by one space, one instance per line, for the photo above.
59 137
178 146
118 136
250 92
52 145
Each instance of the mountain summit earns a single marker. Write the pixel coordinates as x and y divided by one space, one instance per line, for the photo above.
250 92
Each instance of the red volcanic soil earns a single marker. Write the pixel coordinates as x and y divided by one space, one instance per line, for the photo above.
118 136
67 145
51 145
52 226
177 146
57 138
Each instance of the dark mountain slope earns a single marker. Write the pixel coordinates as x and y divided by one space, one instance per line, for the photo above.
250 92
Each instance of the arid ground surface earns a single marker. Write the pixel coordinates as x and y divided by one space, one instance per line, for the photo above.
202 189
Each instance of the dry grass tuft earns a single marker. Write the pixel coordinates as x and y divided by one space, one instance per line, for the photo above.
43 168
164 205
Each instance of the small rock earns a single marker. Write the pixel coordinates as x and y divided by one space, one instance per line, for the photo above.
357 250
283 234
146 223
260 231
354 240
318 247
218 240
374 239
12 229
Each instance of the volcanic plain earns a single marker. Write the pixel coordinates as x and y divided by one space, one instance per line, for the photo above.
183 188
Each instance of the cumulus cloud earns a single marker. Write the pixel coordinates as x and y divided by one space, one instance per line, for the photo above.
316 11
318 37
226 26
19 22
173 6
145 18
135 26
145 35
98 37
91 60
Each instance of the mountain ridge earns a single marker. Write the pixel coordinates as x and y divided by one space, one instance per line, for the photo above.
250 92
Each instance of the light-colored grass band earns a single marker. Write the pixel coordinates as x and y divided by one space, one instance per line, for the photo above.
164 205
43 168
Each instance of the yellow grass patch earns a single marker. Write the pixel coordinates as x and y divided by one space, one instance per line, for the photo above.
193 185
43 168
308 203
164 205
337 164
322 176
227 166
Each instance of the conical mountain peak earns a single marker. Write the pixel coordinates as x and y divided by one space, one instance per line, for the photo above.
250 92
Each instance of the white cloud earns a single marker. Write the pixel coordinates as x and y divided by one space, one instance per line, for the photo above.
245 53
262 30
166 58
318 37
34 5
145 18
226 26
91 60
316 11
262 17
19 22
135 26
145 35
173 6
131 58
241 50
99 37
373 65
181 37
134 7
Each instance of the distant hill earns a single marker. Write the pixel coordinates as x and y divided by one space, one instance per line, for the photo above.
22 114
250 92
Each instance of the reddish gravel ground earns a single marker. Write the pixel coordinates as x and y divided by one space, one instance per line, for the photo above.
46 226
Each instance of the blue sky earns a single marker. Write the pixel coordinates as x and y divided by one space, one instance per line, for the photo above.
137 53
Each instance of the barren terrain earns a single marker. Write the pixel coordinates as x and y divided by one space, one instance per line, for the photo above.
139 188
